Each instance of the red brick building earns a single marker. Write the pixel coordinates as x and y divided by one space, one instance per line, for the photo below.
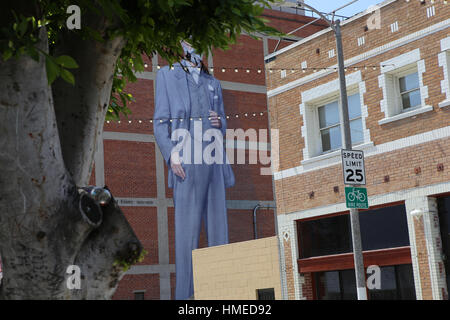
397 60
129 162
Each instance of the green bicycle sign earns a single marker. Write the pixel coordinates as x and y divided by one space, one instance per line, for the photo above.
356 198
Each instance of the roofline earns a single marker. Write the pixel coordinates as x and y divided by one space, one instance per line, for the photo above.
324 31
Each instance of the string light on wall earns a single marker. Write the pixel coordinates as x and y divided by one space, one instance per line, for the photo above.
431 1
254 114
272 70
200 118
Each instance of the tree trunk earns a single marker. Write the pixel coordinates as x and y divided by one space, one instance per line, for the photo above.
42 228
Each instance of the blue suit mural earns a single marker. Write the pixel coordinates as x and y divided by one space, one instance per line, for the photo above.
182 93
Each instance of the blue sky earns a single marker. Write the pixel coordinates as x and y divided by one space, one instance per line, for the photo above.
329 5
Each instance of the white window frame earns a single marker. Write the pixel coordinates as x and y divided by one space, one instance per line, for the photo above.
398 104
391 71
444 62
309 109
314 108
407 92
333 98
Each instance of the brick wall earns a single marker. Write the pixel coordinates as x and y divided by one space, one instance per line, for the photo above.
422 257
293 193
148 283
399 154
130 167
307 287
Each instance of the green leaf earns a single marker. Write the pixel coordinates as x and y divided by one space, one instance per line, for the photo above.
53 70
23 26
94 34
66 62
7 54
236 11
32 52
68 76
163 5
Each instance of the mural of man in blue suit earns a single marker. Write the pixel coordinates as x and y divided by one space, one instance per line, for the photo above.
189 100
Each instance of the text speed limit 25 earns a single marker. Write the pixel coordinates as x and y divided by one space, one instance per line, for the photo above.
353 167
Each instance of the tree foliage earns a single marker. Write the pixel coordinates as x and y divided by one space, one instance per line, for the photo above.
149 27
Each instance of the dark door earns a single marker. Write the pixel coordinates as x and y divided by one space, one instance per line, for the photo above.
444 221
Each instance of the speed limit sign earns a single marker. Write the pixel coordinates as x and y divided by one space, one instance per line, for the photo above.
353 167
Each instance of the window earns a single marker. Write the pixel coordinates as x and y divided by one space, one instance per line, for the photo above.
321 119
404 94
139 295
330 131
397 283
336 285
382 228
266 294
404 90
444 222
410 91
444 63
329 123
326 236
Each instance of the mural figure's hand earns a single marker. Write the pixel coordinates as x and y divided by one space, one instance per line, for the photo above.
175 164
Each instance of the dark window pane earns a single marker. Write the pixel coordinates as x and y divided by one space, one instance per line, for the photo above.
444 213
328 285
325 236
409 82
139 296
384 228
348 284
331 139
411 99
266 294
396 283
444 222
336 285
380 229
405 281
329 115
388 289
354 106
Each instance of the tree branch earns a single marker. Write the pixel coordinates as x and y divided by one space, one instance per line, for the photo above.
81 110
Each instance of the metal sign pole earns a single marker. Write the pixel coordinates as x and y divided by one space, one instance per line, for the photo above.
347 142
